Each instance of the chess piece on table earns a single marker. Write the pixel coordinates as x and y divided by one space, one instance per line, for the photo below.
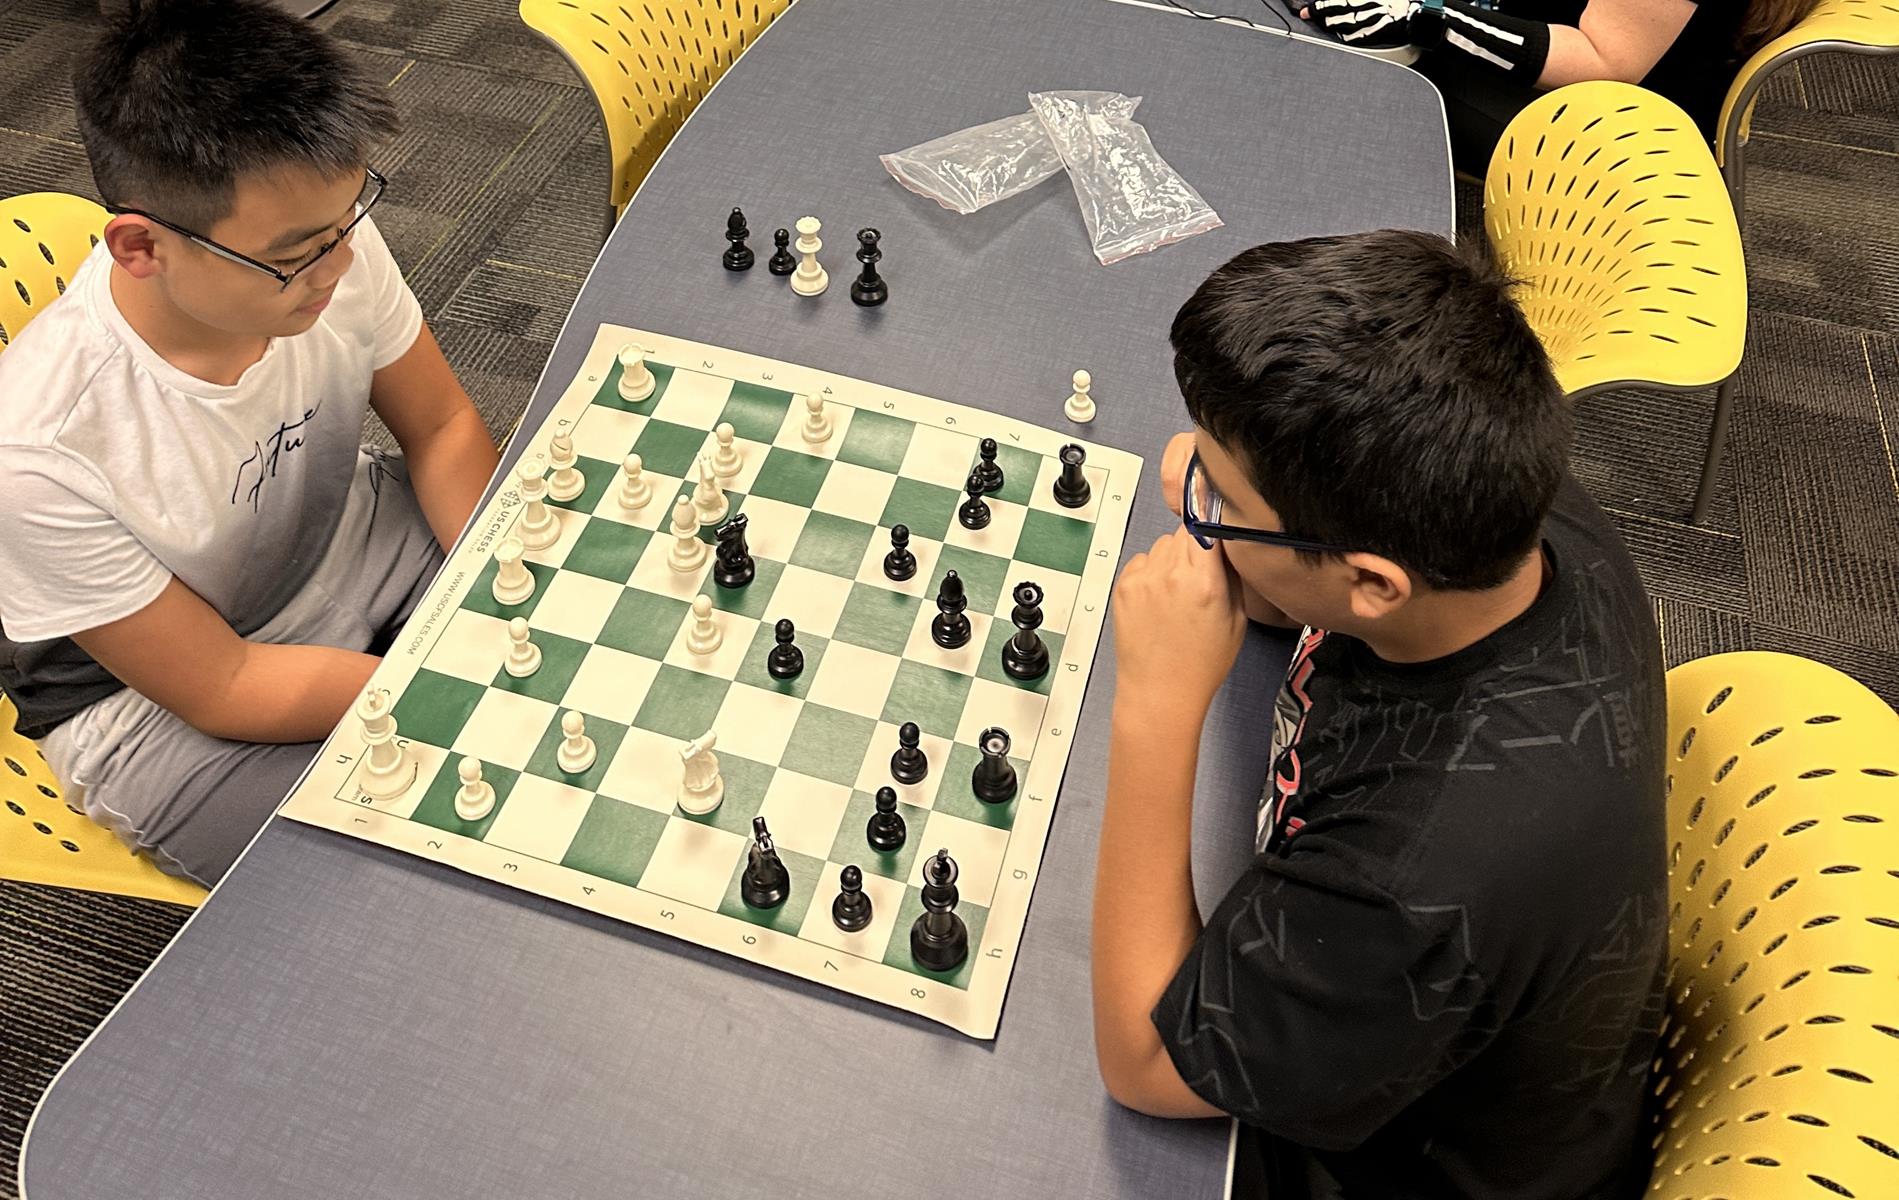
701 788
950 627
810 278
687 553
782 260
566 483
524 657
708 498
576 750
869 288
817 422
900 564
785 661
387 769
993 779
974 512
987 469
733 566
513 582
538 529
1080 407
636 381
1025 656
766 883
635 491
939 941
1071 486
850 911
885 831
726 460
909 764
738 256
704 635
475 798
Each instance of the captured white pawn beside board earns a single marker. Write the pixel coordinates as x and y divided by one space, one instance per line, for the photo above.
1080 407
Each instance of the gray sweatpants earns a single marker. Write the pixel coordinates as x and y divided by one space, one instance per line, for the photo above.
192 801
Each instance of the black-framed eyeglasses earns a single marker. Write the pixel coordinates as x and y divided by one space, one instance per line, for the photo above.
373 186
1200 512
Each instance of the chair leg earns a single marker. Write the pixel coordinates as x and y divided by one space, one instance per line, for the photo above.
1717 440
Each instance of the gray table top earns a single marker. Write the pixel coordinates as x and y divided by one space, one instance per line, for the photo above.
339 1019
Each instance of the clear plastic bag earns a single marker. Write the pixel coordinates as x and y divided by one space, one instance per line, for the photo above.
973 168
1131 200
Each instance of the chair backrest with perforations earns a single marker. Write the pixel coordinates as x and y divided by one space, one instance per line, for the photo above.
649 63
44 236
1603 199
1778 1070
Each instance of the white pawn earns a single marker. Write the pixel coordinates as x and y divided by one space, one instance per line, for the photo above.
1081 407
524 657
688 553
704 636
513 581
636 382
566 482
475 799
700 786
817 423
576 748
538 529
387 771
726 461
708 498
810 278
635 492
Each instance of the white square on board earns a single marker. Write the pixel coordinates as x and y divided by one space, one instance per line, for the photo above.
1058 595
505 728
997 538
964 659
812 599
610 683
693 400
924 550
736 633
693 863
655 514
472 646
939 456
570 522
756 724
791 432
803 813
751 458
655 574
1016 709
977 849
646 770
854 679
427 760
540 818
576 606
855 492
1043 497
886 901
875 772
606 433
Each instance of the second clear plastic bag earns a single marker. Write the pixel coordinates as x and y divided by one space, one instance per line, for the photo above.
975 167
1131 200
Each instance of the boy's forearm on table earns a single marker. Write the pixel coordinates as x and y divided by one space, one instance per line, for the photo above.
449 471
285 693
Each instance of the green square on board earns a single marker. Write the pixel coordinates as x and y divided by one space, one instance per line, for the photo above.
609 394
926 508
643 623
990 665
957 796
930 696
853 844
481 594
433 708
828 744
599 476
789 916
833 545
877 618
437 808
606 736
669 449
1059 543
615 840
984 576
1019 469
709 534
876 440
607 550
754 598
753 670
897 954
560 662
745 783
681 703
790 476
755 412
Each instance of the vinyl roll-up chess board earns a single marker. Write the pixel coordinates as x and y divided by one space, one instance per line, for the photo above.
610 614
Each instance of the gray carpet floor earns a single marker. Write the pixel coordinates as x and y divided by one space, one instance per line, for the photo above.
499 181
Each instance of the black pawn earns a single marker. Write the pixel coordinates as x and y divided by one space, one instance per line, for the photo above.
766 883
782 260
986 467
785 660
974 512
885 831
950 628
900 564
1025 656
850 912
909 764
738 256
732 566
939 941
1071 488
869 288
993 780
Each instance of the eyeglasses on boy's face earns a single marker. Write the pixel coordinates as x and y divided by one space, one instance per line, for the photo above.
373 185
1200 511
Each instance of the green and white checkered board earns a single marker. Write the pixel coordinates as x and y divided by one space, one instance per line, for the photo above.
610 617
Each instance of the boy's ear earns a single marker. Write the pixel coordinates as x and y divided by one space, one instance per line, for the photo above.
1379 586
133 243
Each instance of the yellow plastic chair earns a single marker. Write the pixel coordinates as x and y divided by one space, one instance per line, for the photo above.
44 236
1851 26
44 841
649 63
1605 201
1778 1070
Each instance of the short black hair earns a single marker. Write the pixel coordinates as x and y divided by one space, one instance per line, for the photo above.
1384 393
178 99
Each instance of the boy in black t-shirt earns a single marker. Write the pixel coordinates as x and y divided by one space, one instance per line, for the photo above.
1441 975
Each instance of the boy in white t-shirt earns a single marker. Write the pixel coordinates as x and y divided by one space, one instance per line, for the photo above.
202 562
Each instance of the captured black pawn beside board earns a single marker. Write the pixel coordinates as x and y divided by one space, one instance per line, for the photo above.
782 260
